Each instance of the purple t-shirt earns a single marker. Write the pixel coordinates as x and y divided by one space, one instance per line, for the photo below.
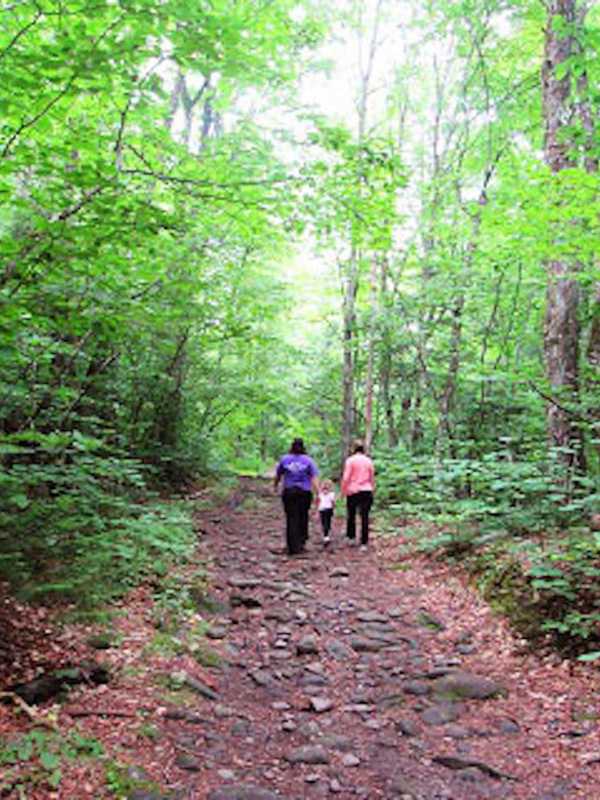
298 470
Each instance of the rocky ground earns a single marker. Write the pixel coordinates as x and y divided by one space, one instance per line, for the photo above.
340 673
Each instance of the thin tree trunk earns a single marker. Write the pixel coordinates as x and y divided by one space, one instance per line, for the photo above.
371 359
350 279
561 324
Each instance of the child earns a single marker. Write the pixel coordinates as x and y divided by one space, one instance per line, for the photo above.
326 505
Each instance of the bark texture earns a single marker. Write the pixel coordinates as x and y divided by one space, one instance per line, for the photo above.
561 325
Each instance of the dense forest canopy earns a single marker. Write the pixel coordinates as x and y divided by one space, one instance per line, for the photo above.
227 223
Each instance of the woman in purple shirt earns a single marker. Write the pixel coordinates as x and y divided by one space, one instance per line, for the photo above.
299 473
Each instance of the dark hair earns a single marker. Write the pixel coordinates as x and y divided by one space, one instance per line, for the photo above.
358 446
297 447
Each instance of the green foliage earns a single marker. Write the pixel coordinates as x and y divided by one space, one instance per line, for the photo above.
33 761
122 780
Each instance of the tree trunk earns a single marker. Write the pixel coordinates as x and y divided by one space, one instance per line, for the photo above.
350 280
561 325
373 311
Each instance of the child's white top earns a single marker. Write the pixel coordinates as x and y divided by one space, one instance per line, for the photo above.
326 500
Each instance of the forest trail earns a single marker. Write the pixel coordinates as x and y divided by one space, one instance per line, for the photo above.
342 674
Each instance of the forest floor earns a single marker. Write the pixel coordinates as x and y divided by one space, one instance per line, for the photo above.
343 673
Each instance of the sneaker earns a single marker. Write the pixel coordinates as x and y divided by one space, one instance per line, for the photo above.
326 541
363 548
351 542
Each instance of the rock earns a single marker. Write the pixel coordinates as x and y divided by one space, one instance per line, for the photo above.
245 600
261 677
217 632
466 685
407 727
336 741
418 688
188 762
456 763
307 646
362 645
240 582
396 612
350 760
289 726
197 686
338 650
402 788
440 714
312 679
371 616
335 787
508 726
242 791
466 649
321 704
308 754
50 684
339 572
391 701
457 731
309 729
184 715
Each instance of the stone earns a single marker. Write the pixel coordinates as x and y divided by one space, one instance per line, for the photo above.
312 679
338 650
307 646
466 685
239 582
440 714
242 792
289 726
245 600
200 688
371 616
339 572
188 762
391 700
407 727
308 754
508 726
336 741
457 731
418 688
261 677
217 632
361 644
321 704
350 760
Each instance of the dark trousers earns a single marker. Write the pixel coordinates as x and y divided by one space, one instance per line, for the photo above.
326 516
361 501
296 503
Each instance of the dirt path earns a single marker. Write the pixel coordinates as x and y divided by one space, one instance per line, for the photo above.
341 675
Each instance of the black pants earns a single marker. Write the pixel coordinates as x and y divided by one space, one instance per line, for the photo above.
296 503
326 516
361 501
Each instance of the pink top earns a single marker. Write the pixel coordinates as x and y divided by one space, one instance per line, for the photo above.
359 475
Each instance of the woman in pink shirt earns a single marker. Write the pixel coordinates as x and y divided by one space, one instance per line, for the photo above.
358 485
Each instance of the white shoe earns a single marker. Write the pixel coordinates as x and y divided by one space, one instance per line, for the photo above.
351 542
326 541
363 548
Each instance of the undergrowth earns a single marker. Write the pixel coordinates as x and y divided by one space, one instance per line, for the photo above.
519 529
